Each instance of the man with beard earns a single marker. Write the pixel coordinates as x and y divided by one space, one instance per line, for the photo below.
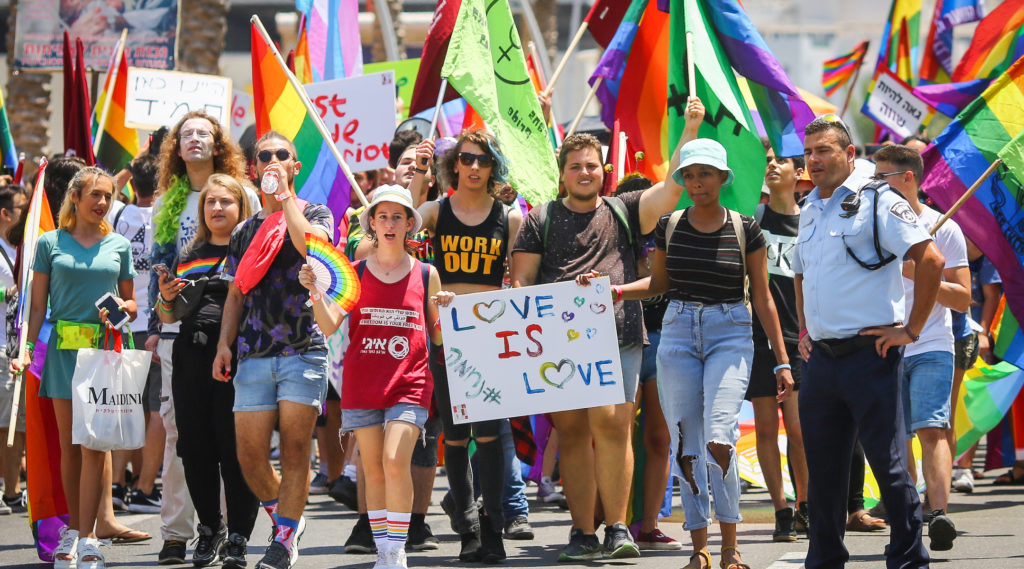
282 355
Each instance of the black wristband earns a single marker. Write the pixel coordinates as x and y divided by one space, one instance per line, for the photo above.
420 171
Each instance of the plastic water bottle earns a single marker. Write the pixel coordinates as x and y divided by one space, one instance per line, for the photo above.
271 181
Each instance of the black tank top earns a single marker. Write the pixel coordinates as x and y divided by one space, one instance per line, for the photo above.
471 254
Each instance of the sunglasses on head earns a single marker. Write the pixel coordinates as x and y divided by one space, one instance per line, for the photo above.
836 119
281 153
467 159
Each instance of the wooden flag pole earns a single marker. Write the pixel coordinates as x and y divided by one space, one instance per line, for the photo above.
255 20
690 75
565 58
970 192
853 83
113 82
621 158
437 107
583 109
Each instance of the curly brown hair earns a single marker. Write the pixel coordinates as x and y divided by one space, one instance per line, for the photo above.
227 158
486 141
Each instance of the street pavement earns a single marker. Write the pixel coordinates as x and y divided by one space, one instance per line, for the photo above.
990 523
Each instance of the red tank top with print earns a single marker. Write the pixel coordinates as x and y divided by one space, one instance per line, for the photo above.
386 360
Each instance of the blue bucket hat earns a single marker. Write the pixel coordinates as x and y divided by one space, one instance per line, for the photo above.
702 151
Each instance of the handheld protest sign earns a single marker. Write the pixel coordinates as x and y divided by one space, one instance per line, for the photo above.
529 350
158 98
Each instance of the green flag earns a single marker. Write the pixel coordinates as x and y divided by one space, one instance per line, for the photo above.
405 78
485 64
727 118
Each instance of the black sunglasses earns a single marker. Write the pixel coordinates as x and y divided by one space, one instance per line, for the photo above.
467 159
281 153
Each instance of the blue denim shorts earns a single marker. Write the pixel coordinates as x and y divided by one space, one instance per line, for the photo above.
260 383
927 385
352 419
649 363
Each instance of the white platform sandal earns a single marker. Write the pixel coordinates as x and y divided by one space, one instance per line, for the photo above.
64 555
90 547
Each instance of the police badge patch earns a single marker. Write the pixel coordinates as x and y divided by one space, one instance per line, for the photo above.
901 211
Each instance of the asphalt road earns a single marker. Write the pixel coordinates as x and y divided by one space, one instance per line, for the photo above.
990 523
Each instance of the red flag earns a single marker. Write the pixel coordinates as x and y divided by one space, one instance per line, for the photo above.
435 48
77 137
604 18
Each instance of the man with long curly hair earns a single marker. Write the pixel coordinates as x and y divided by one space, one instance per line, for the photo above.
194 149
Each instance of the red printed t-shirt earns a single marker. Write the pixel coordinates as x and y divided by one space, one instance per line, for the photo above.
386 361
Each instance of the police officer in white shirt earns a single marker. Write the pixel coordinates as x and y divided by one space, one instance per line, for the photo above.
854 233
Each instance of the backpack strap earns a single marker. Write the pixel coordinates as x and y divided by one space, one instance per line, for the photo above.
759 212
545 221
117 216
620 213
673 220
741 237
360 267
425 275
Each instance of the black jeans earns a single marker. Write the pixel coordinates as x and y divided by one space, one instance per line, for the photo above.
466 519
857 396
206 432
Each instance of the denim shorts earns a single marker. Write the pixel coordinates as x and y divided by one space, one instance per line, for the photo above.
352 419
260 383
927 385
649 363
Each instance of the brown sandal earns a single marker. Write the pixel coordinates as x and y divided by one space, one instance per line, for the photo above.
861 520
699 553
735 565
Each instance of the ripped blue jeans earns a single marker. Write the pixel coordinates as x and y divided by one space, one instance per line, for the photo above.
703 370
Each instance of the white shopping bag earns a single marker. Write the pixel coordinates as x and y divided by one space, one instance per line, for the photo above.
106 397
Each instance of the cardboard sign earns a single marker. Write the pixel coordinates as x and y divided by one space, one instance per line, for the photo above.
359 112
160 98
893 105
531 350
241 113
152 36
405 79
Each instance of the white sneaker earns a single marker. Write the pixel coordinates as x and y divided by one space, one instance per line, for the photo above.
295 540
963 480
392 557
68 546
90 547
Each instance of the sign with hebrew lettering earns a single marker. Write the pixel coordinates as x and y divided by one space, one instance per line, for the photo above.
529 350
359 112
894 106
159 98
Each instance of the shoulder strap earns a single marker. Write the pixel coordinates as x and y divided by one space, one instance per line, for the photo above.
673 220
360 267
620 213
504 219
117 216
741 237
545 220
9 263
425 275
759 212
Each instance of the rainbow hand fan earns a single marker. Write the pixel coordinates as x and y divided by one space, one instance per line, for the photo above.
334 275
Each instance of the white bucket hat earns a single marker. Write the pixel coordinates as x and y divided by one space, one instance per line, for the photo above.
391 193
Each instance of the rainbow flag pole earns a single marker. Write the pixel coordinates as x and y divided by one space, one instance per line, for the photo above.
112 81
313 113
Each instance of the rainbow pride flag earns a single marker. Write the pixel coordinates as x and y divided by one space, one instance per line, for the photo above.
904 18
115 144
839 70
644 93
998 41
8 155
937 58
991 126
985 396
278 106
331 32
613 62
1007 335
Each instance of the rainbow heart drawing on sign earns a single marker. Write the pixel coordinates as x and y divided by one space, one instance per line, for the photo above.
561 377
495 313
572 334
579 300
567 316
599 288
591 332
334 275
597 307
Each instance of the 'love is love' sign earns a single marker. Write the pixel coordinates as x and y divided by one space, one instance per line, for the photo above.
531 350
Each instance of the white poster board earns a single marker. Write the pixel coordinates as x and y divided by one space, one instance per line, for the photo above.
893 105
158 98
359 112
531 350
241 113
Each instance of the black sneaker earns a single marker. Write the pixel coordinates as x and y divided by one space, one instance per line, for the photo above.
343 490
420 537
802 522
785 525
120 497
209 544
234 552
492 547
581 547
172 553
618 542
941 531
16 504
142 503
518 529
361 539
276 557
471 549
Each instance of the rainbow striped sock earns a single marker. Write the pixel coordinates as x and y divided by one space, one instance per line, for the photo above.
398 528
286 529
271 507
379 527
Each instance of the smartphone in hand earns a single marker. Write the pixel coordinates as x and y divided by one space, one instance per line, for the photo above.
116 318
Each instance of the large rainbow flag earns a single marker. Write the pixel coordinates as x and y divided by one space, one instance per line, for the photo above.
613 62
1007 335
330 29
937 57
986 394
990 127
904 19
839 70
279 107
8 155
115 144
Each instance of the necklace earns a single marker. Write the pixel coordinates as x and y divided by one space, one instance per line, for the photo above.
387 271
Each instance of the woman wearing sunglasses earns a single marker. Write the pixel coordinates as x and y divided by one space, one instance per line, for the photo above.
471 232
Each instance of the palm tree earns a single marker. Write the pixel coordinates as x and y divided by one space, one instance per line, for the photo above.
395 7
201 35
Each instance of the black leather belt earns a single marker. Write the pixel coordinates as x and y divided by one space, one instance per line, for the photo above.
845 346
